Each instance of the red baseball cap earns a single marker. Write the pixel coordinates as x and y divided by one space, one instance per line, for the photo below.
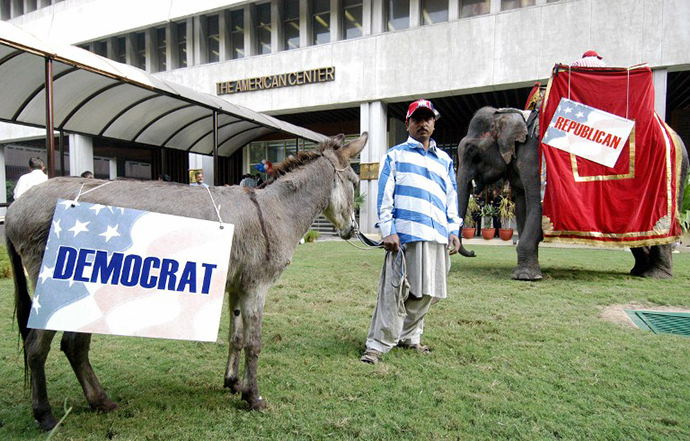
591 54
421 105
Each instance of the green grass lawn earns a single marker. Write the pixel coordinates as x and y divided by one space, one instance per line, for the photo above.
510 360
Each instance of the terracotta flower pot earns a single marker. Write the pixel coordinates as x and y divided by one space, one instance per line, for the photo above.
468 233
488 233
505 233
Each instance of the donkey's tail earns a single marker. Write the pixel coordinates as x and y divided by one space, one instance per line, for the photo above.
22 300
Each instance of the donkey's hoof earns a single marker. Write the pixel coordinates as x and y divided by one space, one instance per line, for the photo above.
233 384
255 403
47 422
105 406
526 274
657 273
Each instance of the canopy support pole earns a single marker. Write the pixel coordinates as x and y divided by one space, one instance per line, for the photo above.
61 146
216 171
50 134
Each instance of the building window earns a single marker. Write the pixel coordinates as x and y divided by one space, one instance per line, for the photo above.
180 30
120 50
507 5
140 50
471 8
236 27
30 5
101 48
18 8
321 21
352 19
291 24
263 28
5 9
212 39
398 14
434 11
161 43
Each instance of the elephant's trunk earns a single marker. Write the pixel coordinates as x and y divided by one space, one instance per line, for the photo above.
463 199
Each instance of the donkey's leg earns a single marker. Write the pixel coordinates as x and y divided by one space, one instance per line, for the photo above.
236 344
76 347
36 350
252 304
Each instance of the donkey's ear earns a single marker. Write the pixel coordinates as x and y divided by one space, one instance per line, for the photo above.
338 141
353 148
510 128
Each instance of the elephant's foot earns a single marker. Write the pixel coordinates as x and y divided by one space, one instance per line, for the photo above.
525 273
656 272
255 402
233 383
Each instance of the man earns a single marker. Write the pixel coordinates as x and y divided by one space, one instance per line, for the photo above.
199 176
589 59
418 218
34 177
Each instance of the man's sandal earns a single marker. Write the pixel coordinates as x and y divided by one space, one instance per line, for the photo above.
422 349
371 356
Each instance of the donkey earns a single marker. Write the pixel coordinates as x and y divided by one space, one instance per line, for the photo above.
269 223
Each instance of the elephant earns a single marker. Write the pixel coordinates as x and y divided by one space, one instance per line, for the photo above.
504 144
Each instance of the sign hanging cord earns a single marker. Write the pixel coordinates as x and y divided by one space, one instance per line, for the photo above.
90 190
217 207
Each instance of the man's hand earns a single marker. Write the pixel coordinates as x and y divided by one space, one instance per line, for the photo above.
453 244
391 243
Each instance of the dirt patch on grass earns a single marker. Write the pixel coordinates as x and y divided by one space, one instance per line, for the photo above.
616 314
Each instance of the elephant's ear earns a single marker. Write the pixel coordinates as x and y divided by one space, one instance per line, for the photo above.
510 128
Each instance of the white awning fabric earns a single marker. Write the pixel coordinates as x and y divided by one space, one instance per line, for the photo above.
96 96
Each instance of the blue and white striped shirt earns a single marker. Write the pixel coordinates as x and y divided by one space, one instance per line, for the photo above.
417 195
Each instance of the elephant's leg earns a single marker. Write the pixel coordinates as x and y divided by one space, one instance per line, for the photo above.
529 237
236 344
660 262
252 305
76 347
641 256
36 348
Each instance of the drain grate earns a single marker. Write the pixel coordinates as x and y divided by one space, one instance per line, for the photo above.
677 323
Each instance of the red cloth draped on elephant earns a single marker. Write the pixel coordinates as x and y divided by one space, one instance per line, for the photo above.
631 204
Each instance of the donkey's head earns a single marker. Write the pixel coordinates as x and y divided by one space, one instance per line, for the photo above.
341 206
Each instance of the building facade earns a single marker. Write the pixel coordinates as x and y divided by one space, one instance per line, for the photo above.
348 66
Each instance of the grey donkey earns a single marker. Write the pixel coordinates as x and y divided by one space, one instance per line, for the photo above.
269 223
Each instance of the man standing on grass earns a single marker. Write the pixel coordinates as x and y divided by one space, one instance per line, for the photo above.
418 217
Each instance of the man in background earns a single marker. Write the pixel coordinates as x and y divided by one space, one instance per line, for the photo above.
34 177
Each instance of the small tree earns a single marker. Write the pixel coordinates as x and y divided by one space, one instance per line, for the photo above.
488 214
506 211
472 209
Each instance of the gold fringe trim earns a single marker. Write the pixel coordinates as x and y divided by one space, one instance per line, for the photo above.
621 244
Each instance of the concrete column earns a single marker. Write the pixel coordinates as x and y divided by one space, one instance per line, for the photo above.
3 180
378 17
660 91
415 13
198 42
304 23
170 48
373 119
224 42
150 38
453 10
276 26
366 17
113 168
495 6
336 20
80 154
250 44
191 49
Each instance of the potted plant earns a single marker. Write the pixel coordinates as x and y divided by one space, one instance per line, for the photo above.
506 211
488 214
468 227
312 235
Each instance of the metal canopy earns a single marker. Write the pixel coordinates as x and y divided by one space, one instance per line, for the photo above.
96 96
